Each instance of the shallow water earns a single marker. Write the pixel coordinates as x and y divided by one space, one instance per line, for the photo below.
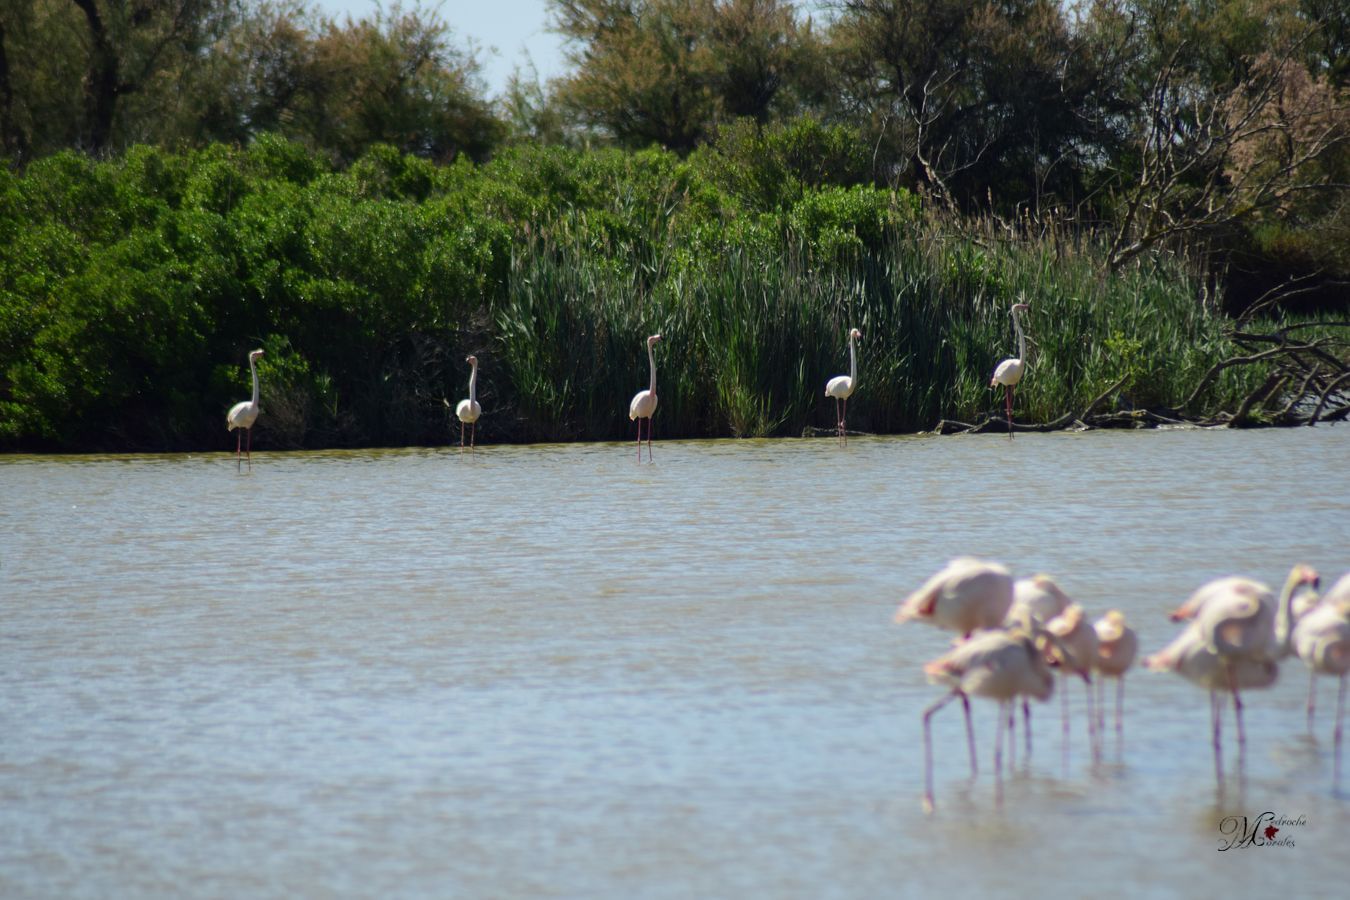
549 671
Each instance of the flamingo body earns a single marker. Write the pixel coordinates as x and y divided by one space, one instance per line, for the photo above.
966 595
1036 599
1008 373
242 415
840 387
1117 645
642 405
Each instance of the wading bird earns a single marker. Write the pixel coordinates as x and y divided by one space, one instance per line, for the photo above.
1237 635
1117 646
1321 638
840 387
1009 372
1000 665
1036 600
1074 654
469 410
243 414
967 594
644 402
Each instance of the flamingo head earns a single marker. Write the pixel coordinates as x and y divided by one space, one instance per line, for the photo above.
651 341
855 333
1021 307
1302 575
254 355
471 360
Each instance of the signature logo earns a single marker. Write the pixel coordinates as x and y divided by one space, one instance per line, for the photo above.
1262 831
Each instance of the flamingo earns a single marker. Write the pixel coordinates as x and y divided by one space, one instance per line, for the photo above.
1000 665
244 413
1036 600
840 387
1321 638
1233 642
1117 646
966 594
1010 371
643 403
1074 654
469 410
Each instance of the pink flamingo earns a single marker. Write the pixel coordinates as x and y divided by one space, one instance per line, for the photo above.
1321 638
1074 654
840 387
244 413
1117 646
643 403
1036 600
1000 665
966 594
1237 634
1010 371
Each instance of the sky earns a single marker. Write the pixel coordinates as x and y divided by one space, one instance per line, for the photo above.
507 32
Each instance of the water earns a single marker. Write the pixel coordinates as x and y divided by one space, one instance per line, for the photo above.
548 671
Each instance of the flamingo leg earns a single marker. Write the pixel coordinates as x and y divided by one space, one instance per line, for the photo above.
1216 721
1026 726
1012 736
1094 734
238 451
1120 716
461 437
1312 696
650 422
970 737
1340 716
998 760
843 427
1064 722
928 805
473 429
1237 714
639 443
248 448
1008 397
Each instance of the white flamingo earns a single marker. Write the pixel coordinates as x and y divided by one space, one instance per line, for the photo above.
1117 647
643 403
840 387
1074 654
1001 665
244 413
1321 638
1036 600
1010 371
1238 634
966 594
469 410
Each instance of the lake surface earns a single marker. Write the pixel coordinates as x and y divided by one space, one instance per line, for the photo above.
549 671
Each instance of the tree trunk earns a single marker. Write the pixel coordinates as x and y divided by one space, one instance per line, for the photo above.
102 80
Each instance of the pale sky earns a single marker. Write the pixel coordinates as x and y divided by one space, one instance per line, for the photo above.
514 29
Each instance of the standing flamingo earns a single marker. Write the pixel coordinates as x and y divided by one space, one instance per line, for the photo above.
469 410
840 387
644 402
1237 635
1074 654
1009 372
1117 646
1036 600
1321 638
244 413
1001 665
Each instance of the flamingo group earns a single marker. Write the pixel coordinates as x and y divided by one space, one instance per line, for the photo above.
1012 635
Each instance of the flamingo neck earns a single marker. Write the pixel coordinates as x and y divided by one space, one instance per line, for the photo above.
1021 338
852 361
473 384
1284 614
651 360
253 367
